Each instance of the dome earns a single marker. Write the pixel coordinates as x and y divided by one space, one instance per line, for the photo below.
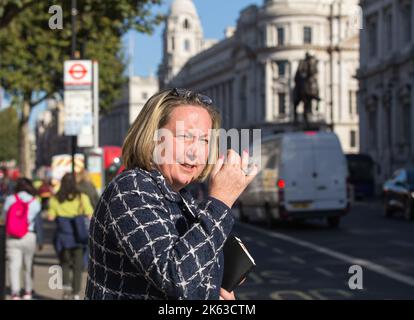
183 6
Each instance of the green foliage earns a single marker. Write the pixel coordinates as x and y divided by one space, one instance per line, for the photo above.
32 55
8 134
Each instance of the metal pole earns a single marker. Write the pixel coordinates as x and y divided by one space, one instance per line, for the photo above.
73 56
96 104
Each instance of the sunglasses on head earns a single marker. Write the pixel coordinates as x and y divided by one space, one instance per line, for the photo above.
188 94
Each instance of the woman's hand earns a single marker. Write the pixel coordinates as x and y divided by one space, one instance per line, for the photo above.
225 295
229 179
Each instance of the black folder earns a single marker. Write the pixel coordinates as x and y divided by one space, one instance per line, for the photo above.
237 263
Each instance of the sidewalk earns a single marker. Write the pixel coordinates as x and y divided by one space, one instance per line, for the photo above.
42 262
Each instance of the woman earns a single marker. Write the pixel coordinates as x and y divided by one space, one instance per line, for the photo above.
22 249
66 206
149 240
86 186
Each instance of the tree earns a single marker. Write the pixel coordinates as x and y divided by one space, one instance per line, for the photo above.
9 9
32 55
8 134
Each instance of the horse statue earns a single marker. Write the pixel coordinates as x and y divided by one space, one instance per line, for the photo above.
306 86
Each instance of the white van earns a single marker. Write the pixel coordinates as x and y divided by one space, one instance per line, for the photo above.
303 175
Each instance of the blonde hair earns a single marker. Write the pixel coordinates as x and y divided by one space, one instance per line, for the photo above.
139 144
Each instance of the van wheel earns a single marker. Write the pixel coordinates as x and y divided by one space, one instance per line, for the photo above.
270 221
333 222
242 213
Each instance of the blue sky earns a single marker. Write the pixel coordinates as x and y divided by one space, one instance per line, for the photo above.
215 16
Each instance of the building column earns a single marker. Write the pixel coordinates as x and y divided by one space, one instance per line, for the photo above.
236 101
269 112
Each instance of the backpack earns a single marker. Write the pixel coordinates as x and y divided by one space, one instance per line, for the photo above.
17 224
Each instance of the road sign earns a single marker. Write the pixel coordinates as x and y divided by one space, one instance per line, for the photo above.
78 73
85 136
78 111
81 101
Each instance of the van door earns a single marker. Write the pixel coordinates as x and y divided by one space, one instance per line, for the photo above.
296 169
330 175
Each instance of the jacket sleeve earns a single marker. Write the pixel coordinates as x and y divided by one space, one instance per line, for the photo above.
173 264
86 204
52 210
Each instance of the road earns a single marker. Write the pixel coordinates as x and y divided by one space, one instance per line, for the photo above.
310 261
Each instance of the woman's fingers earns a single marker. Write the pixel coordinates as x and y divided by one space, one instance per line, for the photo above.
217 166
225 295
252 173
245 161
233 158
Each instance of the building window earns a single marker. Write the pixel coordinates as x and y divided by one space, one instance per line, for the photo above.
172 43
388 29
352 138
406 14
144 96
281 66
282 104
187 46
372 36
307 35
186 24
280 36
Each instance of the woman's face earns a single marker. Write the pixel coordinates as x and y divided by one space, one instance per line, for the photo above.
185 145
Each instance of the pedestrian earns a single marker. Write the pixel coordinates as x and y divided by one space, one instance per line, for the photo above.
148 237
45 191
86 186
69 207
21 212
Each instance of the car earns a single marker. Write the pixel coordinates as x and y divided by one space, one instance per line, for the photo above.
303 175
398 193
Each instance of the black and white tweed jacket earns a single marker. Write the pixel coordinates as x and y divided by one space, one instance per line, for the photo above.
147 243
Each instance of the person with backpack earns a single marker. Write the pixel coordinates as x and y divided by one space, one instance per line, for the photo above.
21 212
71 210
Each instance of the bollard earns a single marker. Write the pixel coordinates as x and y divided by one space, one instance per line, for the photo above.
2 261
